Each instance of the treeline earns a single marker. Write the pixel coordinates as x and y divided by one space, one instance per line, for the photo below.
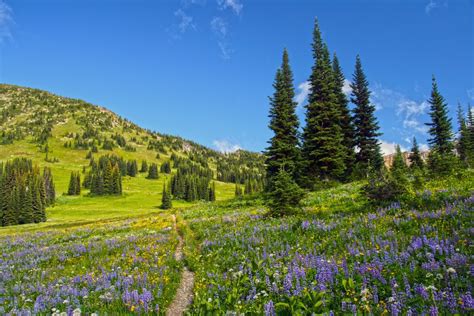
24 192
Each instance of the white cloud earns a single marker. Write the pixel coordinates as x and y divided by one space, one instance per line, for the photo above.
470 93
234 5
226 51
407 109
304 89
219 26
6 19
435 4
185 21
225 146
347 87
389 148
424 147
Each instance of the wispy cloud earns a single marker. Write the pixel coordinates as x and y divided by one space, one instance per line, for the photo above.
435 4
6 20
224 146
303 92
234 5
407 109
470 94
185 21
219 27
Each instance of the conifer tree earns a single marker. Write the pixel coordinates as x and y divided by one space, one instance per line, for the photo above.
440 128
345 116
463 145
398 164
416 161
285 195
144 167
166 202
323 149
238 191
366 126
212 192
284 145
49 186
153 171
74 184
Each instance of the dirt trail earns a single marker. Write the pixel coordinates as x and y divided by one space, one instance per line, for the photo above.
184 294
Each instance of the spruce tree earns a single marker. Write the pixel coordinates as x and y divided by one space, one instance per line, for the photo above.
238 191
416 161
345 119
153 171
463 145
323 149
284 196
284 145
366 126
398 164
440 128
166 202
212 192
72 184
144 167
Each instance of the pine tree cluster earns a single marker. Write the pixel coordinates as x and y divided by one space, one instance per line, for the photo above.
326 150
74 184
189 186
24 192
105 176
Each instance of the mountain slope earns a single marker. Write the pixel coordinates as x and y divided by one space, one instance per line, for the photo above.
60 132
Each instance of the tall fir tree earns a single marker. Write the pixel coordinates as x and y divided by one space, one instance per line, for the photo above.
465 144
416 161
323 149
284 145
440 128
166 202
365 123
345 119
399 164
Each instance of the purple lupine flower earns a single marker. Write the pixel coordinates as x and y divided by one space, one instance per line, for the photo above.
433 311
269 309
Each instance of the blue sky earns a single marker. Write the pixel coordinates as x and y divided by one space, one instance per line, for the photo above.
203 69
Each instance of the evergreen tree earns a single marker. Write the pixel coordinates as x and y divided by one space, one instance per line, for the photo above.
144 167
440 128
153 171
345 117
238 191
323 149
463 145
74 184
416 161
366 126
284 145
166 167
49 186
166 202
284 195
399 164
132 168
212 192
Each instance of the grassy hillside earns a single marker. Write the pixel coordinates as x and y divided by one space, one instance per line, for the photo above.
37 125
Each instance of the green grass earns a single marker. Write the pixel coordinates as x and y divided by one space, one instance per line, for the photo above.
141 196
